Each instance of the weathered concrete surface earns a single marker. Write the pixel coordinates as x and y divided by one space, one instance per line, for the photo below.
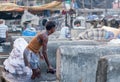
24 78
52 47
5 48
101 74
7 77
79 63
109 69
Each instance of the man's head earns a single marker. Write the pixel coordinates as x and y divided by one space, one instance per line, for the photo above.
77 23
44 22
50 26
1 21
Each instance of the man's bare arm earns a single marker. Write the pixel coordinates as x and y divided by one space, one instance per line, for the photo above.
44 51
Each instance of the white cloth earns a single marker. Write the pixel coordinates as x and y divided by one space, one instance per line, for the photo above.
64 32
27 16
14 27
15 62
3 30
114 41
32 29
114 30
80 27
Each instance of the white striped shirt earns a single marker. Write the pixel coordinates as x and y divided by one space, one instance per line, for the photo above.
3 30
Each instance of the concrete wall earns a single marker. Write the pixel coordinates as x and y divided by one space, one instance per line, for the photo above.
79 63
53 45
108 69
76 60
52 48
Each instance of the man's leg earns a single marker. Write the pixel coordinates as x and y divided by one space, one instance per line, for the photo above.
2 40
35 65
29 60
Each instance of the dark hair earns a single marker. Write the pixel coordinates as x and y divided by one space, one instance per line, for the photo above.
76 22
44 22
67 25
50 25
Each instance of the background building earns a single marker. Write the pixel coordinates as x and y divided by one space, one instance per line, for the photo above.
27 2
116 4
79 3
94 3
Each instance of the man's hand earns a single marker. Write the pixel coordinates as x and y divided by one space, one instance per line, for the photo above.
51 70
42 57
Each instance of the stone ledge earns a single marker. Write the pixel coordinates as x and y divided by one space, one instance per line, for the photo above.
78 63
108 69
23 78
8 77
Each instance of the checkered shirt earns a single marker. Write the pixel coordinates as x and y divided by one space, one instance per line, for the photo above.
93 34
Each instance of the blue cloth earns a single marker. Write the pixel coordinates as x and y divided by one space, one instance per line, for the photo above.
28 33
109 35
118 36
76 5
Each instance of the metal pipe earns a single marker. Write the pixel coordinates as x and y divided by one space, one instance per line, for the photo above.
105 7
83 3
91 2
118 3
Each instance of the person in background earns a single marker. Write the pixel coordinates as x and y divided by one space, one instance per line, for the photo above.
14 26
77 25
104 33
114 23
3 31
29 31
93 24
65 32
32 51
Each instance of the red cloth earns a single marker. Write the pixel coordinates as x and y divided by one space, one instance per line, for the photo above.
64 12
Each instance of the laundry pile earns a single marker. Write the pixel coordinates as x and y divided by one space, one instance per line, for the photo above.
15 63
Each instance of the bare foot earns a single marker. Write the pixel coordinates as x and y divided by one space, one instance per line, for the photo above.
36 73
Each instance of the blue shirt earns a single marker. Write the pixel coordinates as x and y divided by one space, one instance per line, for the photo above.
109 35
